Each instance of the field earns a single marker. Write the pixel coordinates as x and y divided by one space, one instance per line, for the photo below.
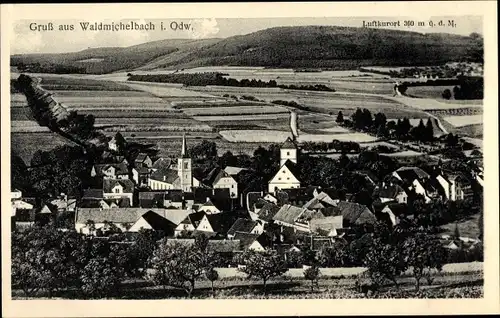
428 91
461 121
161 112
26 144
277 136
467 227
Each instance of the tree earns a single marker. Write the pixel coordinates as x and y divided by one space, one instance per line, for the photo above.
446 94
100 277
312 274
340 117
423 253
384 262
264 265
212 275
143 247
429 130
180 266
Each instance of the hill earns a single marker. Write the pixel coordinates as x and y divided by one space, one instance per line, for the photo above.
325 47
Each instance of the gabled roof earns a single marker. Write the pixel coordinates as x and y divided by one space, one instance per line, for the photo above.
368 174
162 163
212 175
158 223
195 218
142 170
120 168
354 213
233 171
218 196
288 214
221 222
119 215
289 196
141 157
121 203
109 184
93 194
293 168
242 225
222 174
288 144
90 203
164 175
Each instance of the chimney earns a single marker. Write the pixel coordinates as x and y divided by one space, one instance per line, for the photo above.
164 178
208 199
213 191
261 193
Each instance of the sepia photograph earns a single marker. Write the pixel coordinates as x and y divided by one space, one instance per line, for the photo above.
247 158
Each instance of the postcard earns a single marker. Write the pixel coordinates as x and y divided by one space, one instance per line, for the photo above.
249 159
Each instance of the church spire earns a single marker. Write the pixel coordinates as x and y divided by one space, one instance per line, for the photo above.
183 150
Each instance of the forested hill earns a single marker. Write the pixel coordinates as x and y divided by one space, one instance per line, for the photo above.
292 47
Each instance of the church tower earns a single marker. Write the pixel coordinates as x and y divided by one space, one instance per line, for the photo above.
184 168
288 151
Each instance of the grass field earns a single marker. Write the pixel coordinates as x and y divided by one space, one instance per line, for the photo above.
467 227
428 91
26 144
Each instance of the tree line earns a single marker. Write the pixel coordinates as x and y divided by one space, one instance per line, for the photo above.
219 79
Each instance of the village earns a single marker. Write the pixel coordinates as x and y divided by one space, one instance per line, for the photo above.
168 197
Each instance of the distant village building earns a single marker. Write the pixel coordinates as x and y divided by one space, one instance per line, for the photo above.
456 186
118 189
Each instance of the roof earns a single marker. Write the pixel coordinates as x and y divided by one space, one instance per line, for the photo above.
220 175
121 203
121 168
328 223
162 163
389 191
408 174
126 215
164 175
93 194
195 218
290 196
247 239
218 196
141 157
142 170
109 184
242 225
288 144
151 199
268 211
158 222
90 203
368 174
233 170
288 214
292 166
221 222
354 213
212 175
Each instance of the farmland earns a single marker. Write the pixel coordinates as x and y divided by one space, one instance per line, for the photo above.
162 111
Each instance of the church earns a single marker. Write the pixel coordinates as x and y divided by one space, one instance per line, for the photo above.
181 178
287 176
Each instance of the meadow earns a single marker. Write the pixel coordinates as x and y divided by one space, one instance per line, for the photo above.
277 136
461 121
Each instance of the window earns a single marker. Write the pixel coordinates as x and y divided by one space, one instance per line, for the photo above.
186 165
288 178
283 171
279 179
232 186
288 153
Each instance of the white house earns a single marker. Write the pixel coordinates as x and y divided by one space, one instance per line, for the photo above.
287 176
118 189
456 186
224 180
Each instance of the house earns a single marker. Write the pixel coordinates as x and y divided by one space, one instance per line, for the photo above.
87 220
174 199
140 175
456 186
112 144
224 180
391 192
252 241
24 218
218 223
164 179
118 189
151 199
408 174
213 200
297 196
143 160
93 194
418 181
190 223
63 204
287 176
153 221
264 211
296 217
245 226
16 194
111 171
22 204
369 176
161 163
327 226
355 214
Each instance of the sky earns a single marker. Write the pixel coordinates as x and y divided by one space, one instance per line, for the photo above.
24 40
